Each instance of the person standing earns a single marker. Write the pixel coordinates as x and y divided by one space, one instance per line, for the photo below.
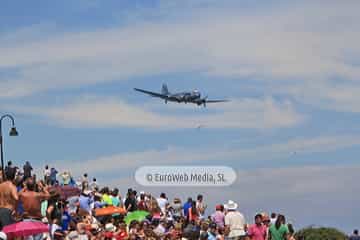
193 212
235 223
85 182
267 223
106 198
73 205
273 217
27 170
10 170
85 201
279 230
8 200
200 206
53 173
65 219
141 205
65 178
54 212
187 206
218 216
177 208
355 235
257 231
162 202
115 198
47 173
94 185
32 202
130 202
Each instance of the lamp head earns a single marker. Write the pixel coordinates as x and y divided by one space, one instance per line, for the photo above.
13 132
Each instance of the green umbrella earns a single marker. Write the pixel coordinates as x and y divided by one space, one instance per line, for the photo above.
136 215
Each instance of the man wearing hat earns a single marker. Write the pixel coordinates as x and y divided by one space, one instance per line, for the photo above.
234 221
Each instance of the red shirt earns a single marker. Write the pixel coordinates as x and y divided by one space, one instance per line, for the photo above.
122 235
141 205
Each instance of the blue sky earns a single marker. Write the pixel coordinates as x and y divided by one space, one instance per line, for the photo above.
291 70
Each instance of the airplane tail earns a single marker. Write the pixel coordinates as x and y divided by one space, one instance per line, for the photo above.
164 89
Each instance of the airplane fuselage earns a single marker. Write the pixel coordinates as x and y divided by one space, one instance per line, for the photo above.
184 97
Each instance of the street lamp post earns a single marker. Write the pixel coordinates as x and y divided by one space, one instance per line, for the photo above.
13 132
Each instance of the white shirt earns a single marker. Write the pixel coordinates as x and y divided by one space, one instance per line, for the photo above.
236 221
159 230
47 172
202 206
162 203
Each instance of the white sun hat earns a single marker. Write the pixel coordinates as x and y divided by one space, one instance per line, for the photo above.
231 205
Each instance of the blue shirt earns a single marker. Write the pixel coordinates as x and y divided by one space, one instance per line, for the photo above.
85 202
66 219
211 236
187 205
53 174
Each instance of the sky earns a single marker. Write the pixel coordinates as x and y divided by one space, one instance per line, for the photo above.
290 68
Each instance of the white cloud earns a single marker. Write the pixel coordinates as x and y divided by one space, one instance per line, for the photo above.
342 97
214 155
112 112
308 42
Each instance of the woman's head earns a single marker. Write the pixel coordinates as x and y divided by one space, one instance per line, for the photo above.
134 224
105 190
258 219
193 207
279 221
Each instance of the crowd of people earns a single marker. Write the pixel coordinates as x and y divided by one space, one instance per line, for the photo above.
24 197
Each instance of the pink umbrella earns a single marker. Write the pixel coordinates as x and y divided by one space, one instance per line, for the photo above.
23 229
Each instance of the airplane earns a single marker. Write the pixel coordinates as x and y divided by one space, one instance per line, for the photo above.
182 97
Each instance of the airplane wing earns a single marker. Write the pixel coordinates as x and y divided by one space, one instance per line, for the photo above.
216 101
153 94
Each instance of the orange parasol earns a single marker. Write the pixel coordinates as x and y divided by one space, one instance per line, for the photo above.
109 211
